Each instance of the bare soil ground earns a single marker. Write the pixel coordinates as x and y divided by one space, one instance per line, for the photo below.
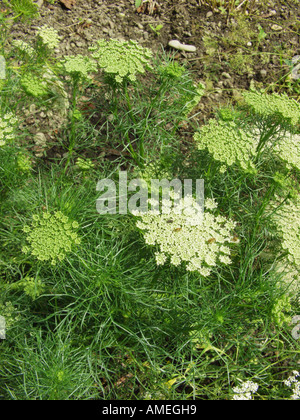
252 46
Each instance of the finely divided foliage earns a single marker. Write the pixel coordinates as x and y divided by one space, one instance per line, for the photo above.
49 36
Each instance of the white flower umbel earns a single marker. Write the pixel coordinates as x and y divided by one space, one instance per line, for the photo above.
186 234
245 391
288 150
294 384
287 220
7 125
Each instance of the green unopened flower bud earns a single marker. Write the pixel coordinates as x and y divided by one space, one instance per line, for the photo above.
51 237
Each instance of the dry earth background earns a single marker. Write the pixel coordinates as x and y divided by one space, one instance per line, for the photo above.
252 45
232 50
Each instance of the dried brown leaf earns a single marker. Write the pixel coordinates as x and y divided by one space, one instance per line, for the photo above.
68 3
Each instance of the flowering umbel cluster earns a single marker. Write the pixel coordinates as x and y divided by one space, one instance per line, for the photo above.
24 47
84 164
227 143
49 36
287 220
294 384
79 65
24 163
34 85
245 391
185 234
122 59
288 150
50 237
7 126
273 105
32 287
9 312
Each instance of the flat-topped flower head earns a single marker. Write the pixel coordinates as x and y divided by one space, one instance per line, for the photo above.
273 105
50 237
245 390
227 143
122 59
79 65
293 383
186 234
10 314
287 220
34 85
33 287
49 36
7 126
288 150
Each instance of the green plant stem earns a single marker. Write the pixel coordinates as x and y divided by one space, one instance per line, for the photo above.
72 137
263 140
138 157
249 256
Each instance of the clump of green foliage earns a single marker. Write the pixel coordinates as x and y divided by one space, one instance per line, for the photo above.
26 9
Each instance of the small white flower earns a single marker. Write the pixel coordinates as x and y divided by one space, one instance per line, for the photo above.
245 390
7 126
210 204
293 383
160 258
225 259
